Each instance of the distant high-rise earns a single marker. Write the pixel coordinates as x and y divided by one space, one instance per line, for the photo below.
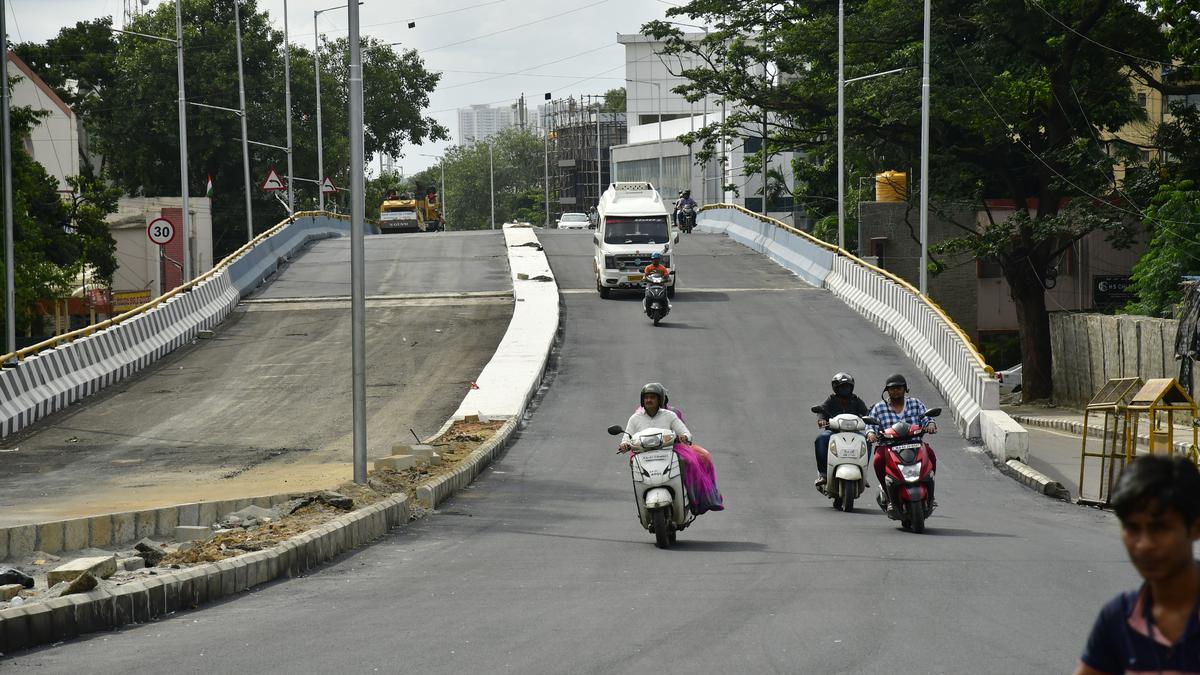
479 122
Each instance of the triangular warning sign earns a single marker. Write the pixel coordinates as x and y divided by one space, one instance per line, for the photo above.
327 186
273 183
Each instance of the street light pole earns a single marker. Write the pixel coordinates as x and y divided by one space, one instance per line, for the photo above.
599 165
287 103
358 307
10 292
317 69
492 179
183 151
841 96
925 156
546 158
237 19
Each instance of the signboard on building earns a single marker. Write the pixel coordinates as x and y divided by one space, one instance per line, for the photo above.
1111 290
123 301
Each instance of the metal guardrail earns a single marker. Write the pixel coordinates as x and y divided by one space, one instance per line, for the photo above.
840 252
22 354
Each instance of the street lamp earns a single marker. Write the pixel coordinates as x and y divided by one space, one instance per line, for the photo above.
183 151
317 69
442 165
10 292
492 180
237 20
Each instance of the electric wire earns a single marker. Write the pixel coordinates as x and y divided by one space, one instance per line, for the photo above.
517 27
1101 44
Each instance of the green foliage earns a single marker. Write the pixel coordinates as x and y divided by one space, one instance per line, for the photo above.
1174 249
133 115
614 100
517 160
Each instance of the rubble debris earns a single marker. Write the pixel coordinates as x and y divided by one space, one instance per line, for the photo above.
335 499
100 566
192 532
131 564
12 575
150 551
9 591
83 583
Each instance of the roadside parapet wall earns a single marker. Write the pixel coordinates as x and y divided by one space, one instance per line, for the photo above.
56 373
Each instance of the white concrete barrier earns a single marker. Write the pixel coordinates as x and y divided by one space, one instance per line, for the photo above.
1003 436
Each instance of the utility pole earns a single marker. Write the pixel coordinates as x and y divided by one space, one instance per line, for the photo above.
237 19
841 131
599 160
183 151
546 152
287 103
925 157
492 181
358 306
10 293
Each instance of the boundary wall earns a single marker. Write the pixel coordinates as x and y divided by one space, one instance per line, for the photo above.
52 375
922 329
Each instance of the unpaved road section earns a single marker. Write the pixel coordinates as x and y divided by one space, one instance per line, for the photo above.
264 405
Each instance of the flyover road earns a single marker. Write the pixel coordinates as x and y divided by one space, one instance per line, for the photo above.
264 406
541 566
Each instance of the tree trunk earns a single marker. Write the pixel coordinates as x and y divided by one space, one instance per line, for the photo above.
1030 299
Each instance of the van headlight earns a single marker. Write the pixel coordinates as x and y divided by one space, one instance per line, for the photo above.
610 262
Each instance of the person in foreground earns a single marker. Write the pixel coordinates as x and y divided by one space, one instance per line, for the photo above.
1156 628
699 472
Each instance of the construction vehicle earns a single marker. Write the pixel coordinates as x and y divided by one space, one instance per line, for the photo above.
411 212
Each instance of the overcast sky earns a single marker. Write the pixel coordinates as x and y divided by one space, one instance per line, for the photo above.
467 40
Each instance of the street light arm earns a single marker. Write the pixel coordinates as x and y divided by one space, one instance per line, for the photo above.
145 35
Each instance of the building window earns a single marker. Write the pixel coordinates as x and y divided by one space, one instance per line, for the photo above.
1145 155
1142 100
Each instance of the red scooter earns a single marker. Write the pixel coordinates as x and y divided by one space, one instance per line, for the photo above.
908 477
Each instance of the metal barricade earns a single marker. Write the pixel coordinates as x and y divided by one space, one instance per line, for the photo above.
1112 400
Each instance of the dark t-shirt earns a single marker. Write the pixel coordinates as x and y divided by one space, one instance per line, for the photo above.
1120 641
833 407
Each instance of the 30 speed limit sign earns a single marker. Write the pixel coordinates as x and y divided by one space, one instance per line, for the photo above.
161 231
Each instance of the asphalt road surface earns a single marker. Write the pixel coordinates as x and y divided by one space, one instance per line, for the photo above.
541 567
265 406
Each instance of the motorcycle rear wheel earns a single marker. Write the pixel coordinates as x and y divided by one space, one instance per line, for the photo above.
662 529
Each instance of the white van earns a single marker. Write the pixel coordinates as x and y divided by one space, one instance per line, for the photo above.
634 224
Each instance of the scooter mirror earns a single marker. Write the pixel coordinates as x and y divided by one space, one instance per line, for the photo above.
817 409
933 412
615 430
870 420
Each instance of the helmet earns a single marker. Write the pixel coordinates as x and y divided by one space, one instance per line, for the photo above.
656 256
686 193
896 380
654 388
842 379
681 193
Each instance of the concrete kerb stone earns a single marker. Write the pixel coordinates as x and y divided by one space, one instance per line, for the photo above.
22 540
50 537
1034 479
1094 431
433 493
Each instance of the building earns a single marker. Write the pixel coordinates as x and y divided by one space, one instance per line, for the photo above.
480 122
579 145
140 268
54 140
658 117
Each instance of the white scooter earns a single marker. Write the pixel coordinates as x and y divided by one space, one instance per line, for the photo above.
847 463
657 483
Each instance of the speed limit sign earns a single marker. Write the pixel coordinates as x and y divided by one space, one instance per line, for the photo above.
161 231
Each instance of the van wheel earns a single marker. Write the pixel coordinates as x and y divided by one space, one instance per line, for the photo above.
602 289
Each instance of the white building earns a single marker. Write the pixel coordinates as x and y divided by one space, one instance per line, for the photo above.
480 122
653 143
54 140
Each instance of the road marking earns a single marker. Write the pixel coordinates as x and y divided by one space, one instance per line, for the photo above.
394 296
314 304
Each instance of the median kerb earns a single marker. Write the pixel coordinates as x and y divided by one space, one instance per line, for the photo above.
145 522
167 521
124 528
62 617
189 514
50 537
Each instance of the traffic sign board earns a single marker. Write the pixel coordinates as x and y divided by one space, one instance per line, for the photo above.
273 183
161 231
327 186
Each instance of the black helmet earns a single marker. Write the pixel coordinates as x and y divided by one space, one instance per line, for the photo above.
842 379
654 388
896 380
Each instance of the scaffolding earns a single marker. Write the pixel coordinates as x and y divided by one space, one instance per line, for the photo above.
575 127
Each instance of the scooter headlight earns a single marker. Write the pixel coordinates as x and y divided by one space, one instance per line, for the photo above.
911 472
652 442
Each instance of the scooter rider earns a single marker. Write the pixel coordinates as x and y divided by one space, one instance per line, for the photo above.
655 415
897 406
657 267
842 400
685 198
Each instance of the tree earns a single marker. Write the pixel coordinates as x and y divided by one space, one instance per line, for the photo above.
1020 102
517 157
614 100
53 240
133 116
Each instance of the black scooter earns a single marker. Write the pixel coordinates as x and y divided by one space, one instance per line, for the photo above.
655 303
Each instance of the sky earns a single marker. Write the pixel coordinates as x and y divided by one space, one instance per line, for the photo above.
565 47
